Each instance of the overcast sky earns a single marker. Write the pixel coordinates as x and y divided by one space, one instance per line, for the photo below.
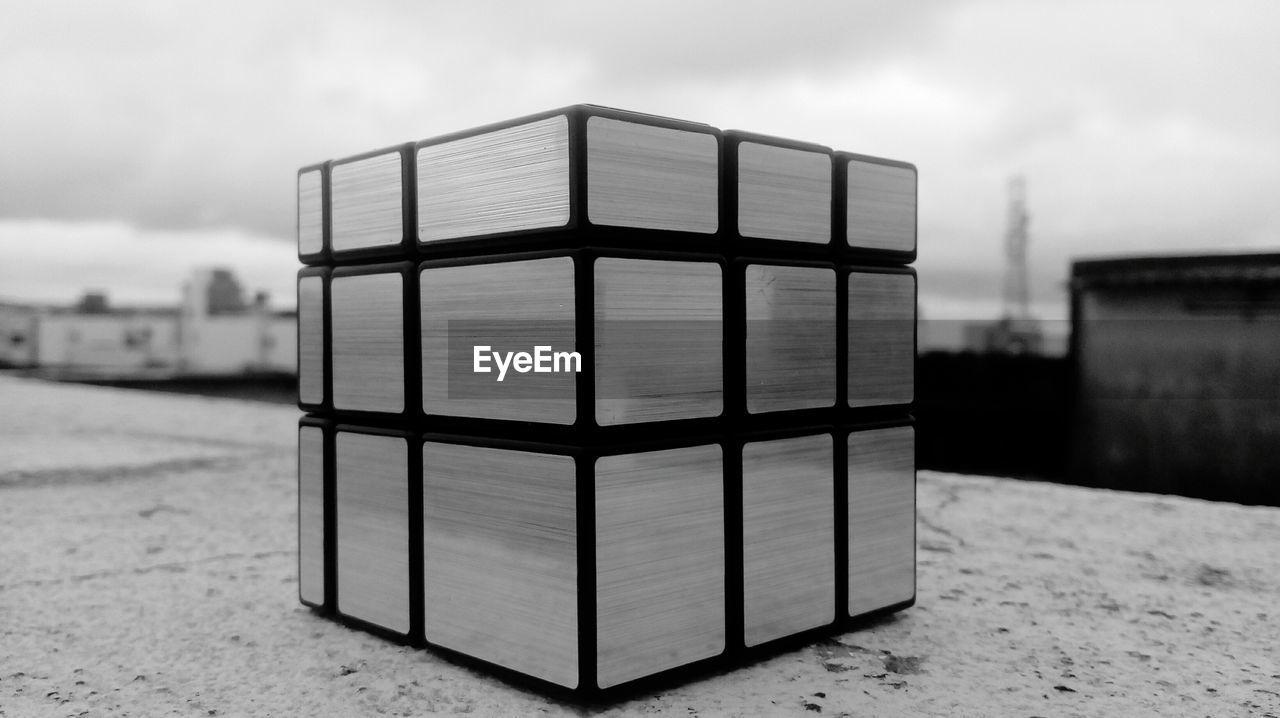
138 139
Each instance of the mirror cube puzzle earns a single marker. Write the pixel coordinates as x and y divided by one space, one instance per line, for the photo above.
706 447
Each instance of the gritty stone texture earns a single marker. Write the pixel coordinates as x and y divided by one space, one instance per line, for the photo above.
148 568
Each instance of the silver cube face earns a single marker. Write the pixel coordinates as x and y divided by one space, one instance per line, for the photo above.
790 337
311 379
500 557
881 207
659 340
311 514
788 536
368 342
881 336
784 193
652 177
881 515
502 307
659 561
310 213
366 197
372 487
509 180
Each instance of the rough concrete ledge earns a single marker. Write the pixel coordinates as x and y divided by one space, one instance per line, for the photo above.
148 568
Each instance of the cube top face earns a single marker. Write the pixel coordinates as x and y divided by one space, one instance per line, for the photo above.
881 338
500 533
366 203
507 180
310 213
659 561
788 541
784 193
367 317
882 490
658 340
881 206
311 373
498 308
790 337
651 177
582 167
371 479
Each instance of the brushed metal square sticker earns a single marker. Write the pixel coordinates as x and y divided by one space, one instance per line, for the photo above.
368 342
652 177
310 212
784 193
367 200
372 478
881 206
507 180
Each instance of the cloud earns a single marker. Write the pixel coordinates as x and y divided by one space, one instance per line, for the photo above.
1143 126
55 262
181 116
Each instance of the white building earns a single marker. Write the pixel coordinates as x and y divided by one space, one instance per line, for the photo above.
214 332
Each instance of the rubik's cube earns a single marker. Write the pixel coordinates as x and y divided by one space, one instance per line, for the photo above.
596 396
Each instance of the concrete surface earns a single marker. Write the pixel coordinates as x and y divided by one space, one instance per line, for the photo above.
147 568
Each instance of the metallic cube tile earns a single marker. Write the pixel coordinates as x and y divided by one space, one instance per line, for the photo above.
311 379
659 561
658 343
788 536
784 193
367 202
368 342
500 548
881 336
512 179
882 518
652 177
791 337
311 514
509 306
372 479
881 206
310 212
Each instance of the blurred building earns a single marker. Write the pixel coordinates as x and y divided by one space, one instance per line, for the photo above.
215 331
1045 337
1177 363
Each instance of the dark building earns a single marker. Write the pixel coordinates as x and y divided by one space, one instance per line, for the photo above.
1177 363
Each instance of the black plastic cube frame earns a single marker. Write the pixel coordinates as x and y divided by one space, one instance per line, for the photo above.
585 428
321 257
736 355
839 217
737 245
326 357
412 366
579 231
875 413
